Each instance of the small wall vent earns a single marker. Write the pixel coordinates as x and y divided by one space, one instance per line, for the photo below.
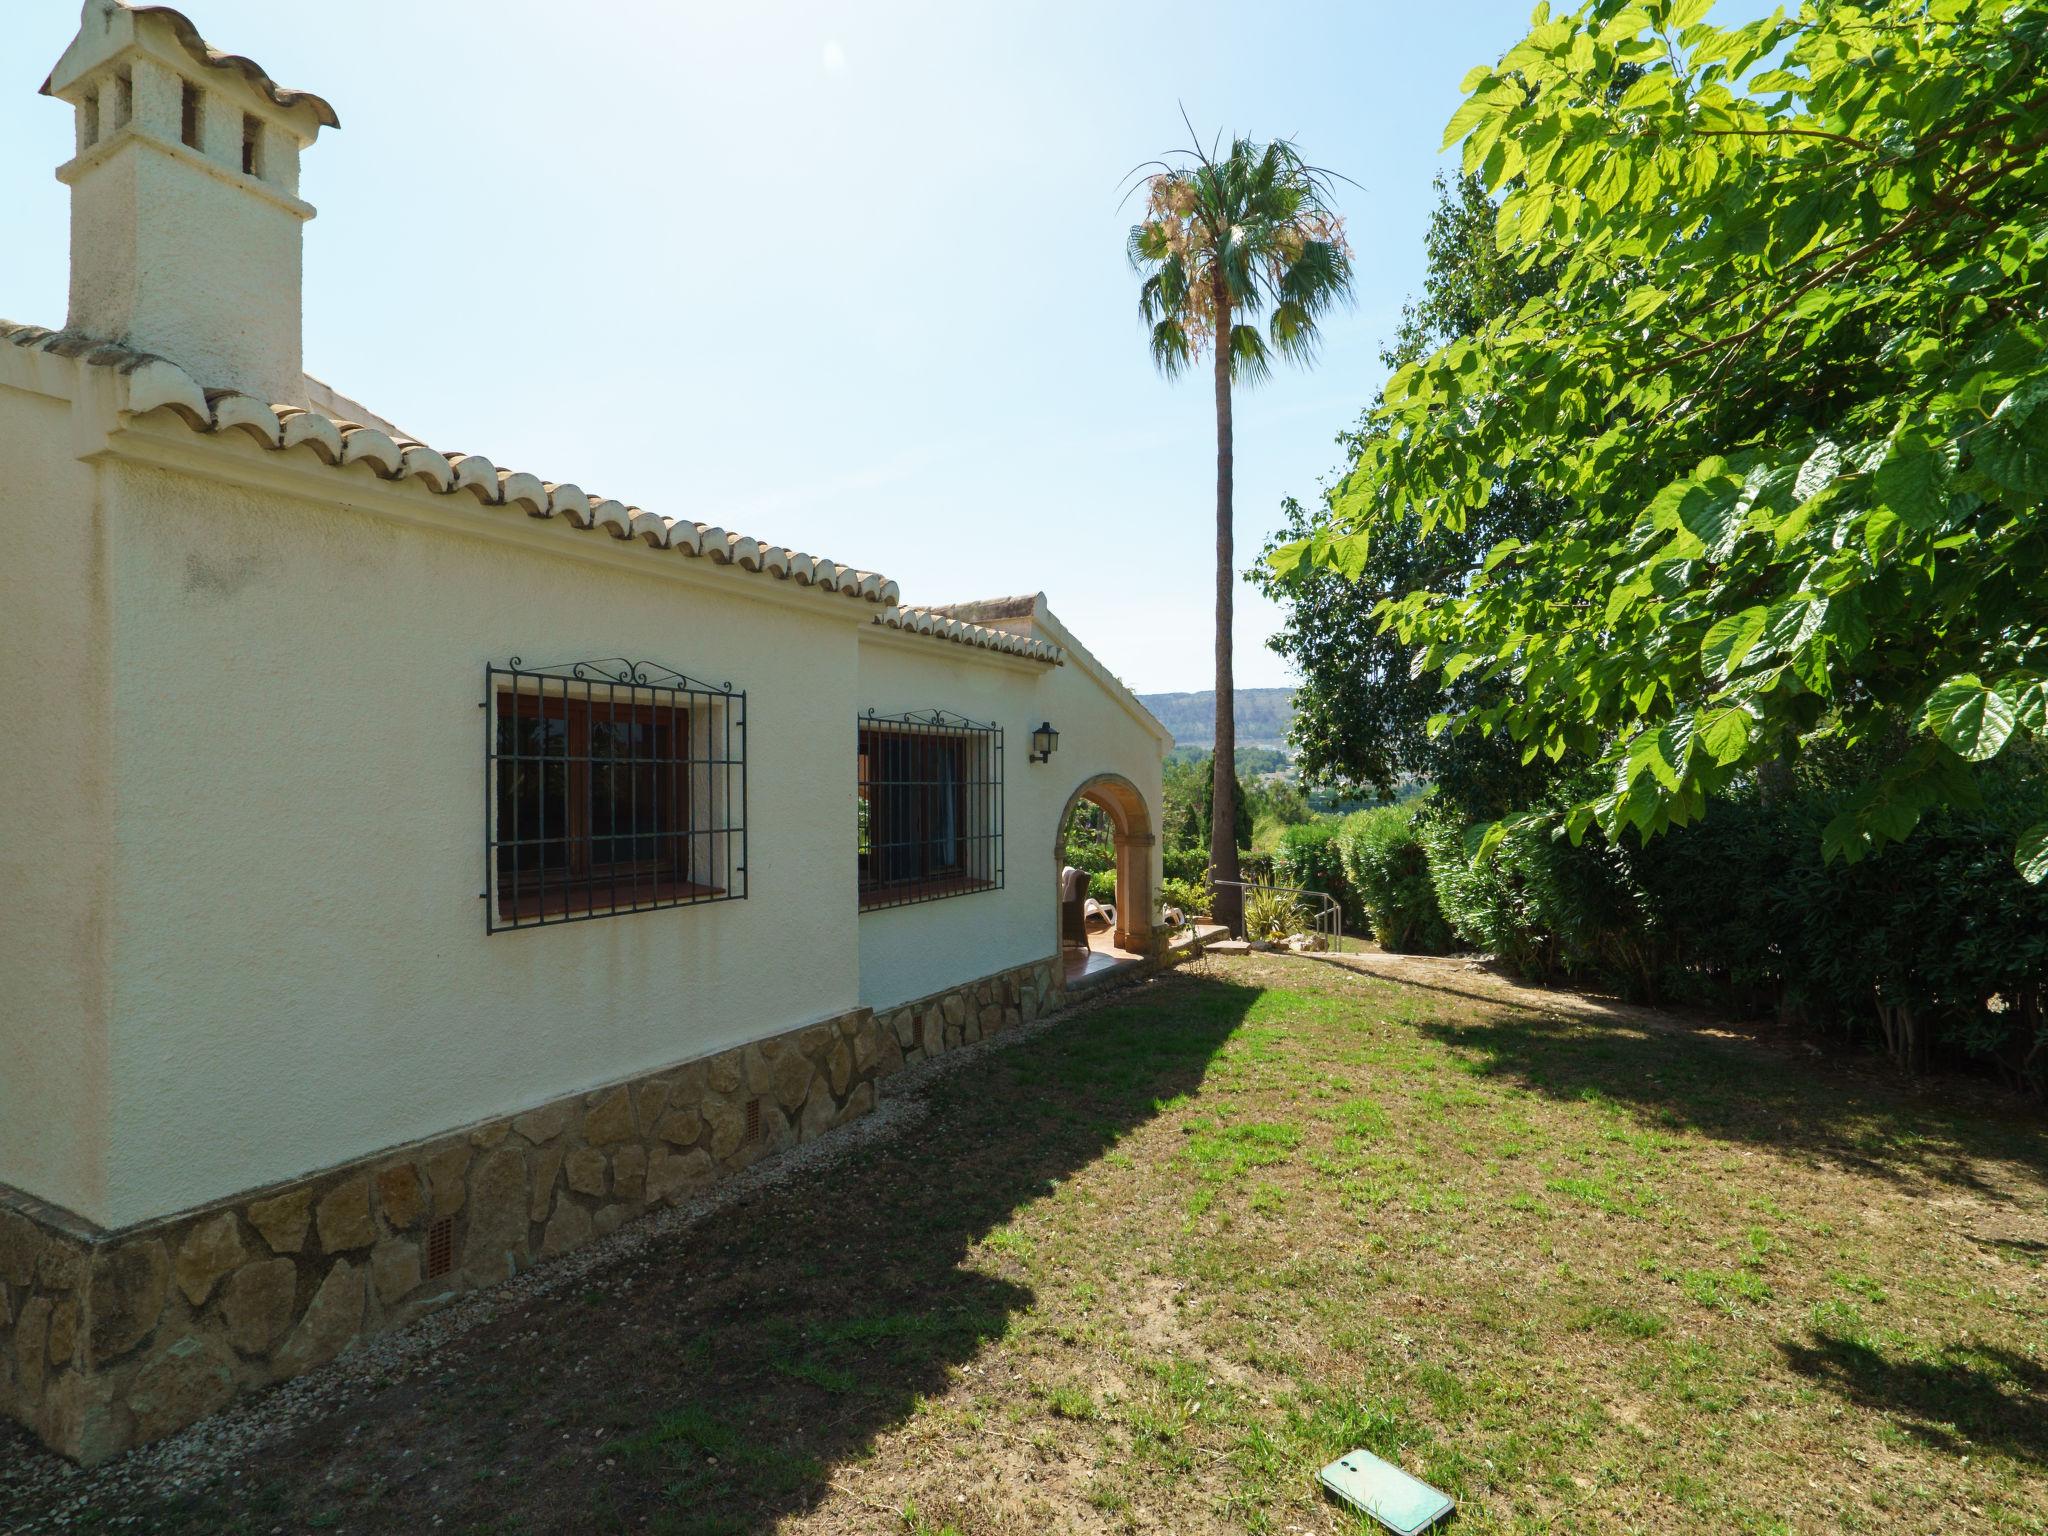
440 1247
753 1120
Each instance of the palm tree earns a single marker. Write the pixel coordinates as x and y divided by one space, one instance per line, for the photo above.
1227 238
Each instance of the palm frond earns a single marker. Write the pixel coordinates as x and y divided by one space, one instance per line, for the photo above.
1317 277
1248 356
1251 227
1171 353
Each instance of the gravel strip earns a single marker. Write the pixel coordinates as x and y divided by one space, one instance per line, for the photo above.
32 1478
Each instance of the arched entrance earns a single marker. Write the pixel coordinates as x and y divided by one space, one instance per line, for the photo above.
1132 834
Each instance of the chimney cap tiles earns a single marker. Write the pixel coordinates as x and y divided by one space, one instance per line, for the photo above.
108 28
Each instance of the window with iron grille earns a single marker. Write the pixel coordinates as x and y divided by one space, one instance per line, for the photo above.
610 787
930 808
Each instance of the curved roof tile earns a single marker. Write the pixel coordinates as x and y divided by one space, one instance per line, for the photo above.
205 53
155 382
922 621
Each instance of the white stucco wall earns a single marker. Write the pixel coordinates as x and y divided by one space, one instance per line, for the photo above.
54 843
301 972
910 952
249 806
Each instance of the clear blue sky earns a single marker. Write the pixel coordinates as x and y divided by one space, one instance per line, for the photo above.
847 277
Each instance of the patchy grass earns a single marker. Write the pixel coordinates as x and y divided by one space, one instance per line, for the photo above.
1583 1267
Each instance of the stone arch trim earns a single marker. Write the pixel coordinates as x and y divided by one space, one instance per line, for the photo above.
1132 821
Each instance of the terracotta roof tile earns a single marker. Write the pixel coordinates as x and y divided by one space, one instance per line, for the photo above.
157 383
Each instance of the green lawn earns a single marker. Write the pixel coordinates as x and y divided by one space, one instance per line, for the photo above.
1593 1270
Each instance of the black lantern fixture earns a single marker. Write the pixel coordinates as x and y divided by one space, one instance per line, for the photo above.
1044 742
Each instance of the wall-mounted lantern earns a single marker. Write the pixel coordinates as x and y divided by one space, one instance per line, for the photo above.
1044 742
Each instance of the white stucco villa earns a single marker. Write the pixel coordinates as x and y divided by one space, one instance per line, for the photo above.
417 867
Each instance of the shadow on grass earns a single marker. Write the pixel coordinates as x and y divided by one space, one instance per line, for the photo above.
1737 1090
711 1385
1967 1400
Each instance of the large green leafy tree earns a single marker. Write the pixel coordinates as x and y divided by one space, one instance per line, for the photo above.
1228 239
1789 390
1361 712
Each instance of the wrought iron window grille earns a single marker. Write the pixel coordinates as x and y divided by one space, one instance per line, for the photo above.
610 786
929 807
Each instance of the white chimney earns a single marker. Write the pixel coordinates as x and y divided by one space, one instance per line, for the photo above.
186 223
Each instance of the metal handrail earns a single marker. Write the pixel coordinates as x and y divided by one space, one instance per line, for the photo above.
1326 917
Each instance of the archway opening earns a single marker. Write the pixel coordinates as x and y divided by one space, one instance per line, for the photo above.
1103 862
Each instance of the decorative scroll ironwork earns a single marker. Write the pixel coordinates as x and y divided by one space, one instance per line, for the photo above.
610 786
617 669
929 807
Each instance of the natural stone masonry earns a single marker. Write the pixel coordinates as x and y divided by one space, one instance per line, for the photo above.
108 1339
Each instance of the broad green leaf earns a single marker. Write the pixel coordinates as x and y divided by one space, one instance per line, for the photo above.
1732 639
1674 746
1881 533
2031 856
1723 733
1911 480
1792 621
1289 560
2012 447
1818 472
1645 754
1483 840
1969 718
1466 118
2027 693
1709 515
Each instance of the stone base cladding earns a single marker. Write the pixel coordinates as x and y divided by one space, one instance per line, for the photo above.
945 1021
110 1339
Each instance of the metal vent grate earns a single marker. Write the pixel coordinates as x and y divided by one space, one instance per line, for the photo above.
440 1247
753 1120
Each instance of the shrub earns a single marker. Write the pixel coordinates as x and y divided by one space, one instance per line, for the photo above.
1309 855
1480 903
1191 896
1388 871
1102 885
1269 916
1188 862
1935 947
1089 841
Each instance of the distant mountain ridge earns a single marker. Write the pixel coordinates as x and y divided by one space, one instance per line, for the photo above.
1263 715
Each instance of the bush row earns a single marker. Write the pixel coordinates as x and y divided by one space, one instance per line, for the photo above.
1935 947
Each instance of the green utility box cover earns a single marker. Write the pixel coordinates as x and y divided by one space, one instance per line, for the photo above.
1403 1504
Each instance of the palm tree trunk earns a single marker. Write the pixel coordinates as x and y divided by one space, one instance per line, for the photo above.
1223 799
